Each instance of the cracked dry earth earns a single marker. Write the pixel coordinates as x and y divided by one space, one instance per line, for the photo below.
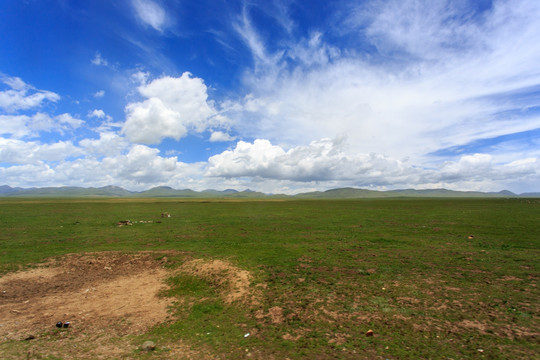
106 297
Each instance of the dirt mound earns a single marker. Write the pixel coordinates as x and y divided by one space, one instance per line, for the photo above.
233 283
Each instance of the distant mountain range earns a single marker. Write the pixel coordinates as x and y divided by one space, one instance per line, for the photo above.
165 191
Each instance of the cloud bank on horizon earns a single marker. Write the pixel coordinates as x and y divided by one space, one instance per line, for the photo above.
280 96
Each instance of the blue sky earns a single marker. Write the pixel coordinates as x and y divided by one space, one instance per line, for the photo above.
275 96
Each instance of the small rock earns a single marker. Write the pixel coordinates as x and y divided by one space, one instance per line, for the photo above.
30 337
148 346
369 333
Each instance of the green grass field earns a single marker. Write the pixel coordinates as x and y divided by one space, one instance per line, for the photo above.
433 278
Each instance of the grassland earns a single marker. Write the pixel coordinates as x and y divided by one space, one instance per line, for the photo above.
433 278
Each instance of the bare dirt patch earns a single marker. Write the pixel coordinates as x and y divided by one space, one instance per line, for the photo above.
275 314
106 297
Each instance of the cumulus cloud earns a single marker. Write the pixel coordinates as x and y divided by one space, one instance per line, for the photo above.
20 126
140 77
135 167
173 106
150 13
326 163
140 168
15 151
108 144
22 96
321 160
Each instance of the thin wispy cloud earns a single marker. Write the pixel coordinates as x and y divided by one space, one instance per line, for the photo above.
151 14
99 94
441 93
98 60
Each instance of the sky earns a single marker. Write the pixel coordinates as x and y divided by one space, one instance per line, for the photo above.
282 96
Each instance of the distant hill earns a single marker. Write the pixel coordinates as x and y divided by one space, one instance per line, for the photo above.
6 190
352 193
67 191
344 193
530 195
165 191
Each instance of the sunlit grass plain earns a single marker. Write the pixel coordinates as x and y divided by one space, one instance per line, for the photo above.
433 278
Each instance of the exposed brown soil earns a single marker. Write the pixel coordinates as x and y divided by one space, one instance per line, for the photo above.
106 297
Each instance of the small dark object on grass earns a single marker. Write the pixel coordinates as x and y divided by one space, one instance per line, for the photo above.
59 324
30 337
124 223
369 333
148 346
66 324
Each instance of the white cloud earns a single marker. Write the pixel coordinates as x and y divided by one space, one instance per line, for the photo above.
150 13
108 144
43 122
481 167
22 96
327 163
67 121
107 123
437 80
15 125
313 51
173 106
98 113
140 77
259 165
98 60
218 136
322 160
139 168
15 83
253 41
99 94
409 78
23 125
150 121
20 152
29 175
